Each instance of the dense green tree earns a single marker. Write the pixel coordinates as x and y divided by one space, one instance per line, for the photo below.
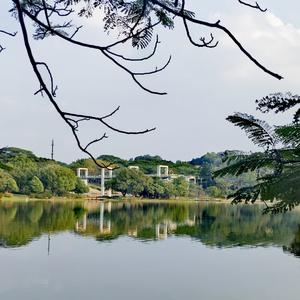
210 158
214 192
128 181
58 179
113 159
36 186
181 186
23 169
7 183
81 187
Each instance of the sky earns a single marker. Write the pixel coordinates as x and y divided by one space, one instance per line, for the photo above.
204 86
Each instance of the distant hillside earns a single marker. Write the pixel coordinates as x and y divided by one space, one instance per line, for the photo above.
23 166
23 172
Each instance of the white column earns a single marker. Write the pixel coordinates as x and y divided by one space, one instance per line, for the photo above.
84 222
101 217
102 182
109 207
78 172
158 171
110 175
167 171
166 231
157 230
109 226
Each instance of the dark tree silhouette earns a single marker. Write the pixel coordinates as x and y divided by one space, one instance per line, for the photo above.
135 21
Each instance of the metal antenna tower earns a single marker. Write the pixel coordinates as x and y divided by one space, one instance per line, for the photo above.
52 149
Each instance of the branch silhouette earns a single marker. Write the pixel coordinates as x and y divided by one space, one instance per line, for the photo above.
135 21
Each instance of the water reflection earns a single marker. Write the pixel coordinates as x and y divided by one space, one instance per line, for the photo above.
215 225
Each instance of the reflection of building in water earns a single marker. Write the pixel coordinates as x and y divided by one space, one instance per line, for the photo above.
102 222
161 231
132 232
166 227
104 225
81 224
190 222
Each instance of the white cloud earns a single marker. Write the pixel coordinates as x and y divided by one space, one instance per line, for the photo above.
269 39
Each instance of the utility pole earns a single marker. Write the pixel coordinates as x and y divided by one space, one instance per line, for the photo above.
52 149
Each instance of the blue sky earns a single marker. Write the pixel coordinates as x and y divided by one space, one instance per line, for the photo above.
204 86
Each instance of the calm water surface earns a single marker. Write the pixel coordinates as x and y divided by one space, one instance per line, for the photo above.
145 251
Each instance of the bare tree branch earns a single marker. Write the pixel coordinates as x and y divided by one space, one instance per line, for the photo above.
103 49
137 27
71 119
204 43
13 34
218 26
8 33
256 5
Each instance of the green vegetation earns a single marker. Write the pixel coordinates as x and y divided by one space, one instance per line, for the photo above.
134 182
278 167
28 174
7 183
202 168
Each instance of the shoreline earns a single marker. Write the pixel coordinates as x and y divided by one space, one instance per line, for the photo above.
25 198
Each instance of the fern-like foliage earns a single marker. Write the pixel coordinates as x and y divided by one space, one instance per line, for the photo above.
289 135
246 163
278 169
279 102
134 19
283 189
260 132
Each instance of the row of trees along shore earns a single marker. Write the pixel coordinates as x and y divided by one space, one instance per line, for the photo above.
23 172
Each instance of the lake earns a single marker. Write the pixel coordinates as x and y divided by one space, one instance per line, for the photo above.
92 250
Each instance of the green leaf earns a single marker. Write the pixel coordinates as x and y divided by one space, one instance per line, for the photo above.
245 163
289 135
260 132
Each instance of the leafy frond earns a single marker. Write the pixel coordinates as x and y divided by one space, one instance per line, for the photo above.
289 135
279 102
260 132
246 194
143 39
290 155
164 18
245 164
284 189
232 155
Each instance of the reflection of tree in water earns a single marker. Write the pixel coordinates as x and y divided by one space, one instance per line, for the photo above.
22 222
294 248
216 225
